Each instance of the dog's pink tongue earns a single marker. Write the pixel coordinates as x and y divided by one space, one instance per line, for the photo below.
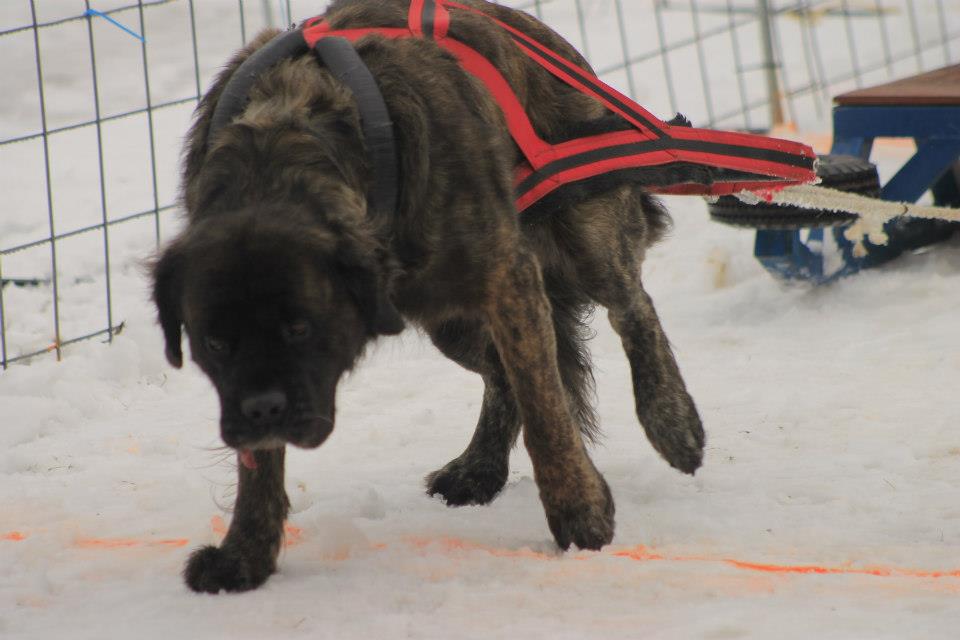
247 459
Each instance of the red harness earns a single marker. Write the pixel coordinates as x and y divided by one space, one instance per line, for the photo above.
744 161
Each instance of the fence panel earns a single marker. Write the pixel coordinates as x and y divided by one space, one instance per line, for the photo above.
98 94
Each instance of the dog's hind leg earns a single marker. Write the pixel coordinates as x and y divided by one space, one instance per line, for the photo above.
664 406
610 252
575 497
248 554
478 474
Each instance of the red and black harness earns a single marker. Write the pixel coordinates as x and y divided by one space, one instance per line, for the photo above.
678 159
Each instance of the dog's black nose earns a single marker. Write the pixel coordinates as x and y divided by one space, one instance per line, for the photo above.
264 409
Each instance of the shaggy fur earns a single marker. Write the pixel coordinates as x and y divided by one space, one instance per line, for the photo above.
280 277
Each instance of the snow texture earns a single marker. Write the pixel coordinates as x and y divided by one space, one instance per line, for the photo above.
827 506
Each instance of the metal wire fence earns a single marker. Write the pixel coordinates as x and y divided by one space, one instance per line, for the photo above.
97 95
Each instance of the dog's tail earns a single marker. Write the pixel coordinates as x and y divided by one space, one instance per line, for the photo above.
570 317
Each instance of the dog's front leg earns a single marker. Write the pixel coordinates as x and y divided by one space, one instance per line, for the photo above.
248 554
576 498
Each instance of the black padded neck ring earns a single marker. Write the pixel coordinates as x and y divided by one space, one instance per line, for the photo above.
235 94
341 59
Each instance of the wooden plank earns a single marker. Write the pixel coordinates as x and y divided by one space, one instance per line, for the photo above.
938 87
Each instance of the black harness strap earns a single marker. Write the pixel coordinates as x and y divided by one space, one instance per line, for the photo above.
339 56
427 18
587 158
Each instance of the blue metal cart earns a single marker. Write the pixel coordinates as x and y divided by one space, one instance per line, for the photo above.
924 107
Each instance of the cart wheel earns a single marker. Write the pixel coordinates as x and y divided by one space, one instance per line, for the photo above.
844 173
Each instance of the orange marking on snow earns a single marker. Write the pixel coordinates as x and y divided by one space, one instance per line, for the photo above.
642 554
175 542
105 543
295 535
638 553
218 525
779 568
292 534
13 536
456 544
119 543
884 572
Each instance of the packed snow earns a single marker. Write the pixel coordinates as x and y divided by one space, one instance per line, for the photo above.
827 506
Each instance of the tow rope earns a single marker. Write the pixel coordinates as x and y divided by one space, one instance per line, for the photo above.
873 213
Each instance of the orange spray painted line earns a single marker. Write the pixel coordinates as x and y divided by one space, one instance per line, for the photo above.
120 543
642 554
884 572
457 544
292 535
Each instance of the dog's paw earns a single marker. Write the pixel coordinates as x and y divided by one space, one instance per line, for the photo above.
674 429
467 482
211 570
586 522
682 444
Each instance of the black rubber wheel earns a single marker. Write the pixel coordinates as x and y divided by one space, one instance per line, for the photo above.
844 173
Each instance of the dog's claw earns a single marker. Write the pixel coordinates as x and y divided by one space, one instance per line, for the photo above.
462 482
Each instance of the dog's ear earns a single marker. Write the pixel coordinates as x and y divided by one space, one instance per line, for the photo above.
366 282
167 294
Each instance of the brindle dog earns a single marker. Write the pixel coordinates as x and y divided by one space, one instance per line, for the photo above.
281 278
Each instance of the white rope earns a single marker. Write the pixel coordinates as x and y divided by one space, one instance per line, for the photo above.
873 213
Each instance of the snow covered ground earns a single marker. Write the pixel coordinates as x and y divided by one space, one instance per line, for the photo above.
827 506
833 441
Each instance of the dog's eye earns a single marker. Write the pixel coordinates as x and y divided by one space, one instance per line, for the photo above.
296 331
216 345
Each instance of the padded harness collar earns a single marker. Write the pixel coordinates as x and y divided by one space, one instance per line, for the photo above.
341 59
707 162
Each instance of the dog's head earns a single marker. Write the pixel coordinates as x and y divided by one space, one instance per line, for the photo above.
276 310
